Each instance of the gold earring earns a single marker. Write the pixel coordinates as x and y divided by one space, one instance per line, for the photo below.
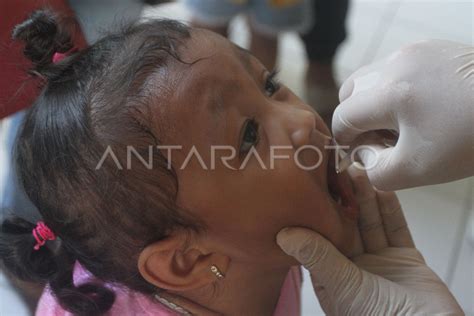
215 270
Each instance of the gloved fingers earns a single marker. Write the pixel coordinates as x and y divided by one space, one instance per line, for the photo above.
357 245
346 89
356 78
381 166
360 113
370 222
395 225
325 263
325 300
353 245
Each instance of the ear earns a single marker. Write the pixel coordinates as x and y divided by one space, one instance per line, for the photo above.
168 265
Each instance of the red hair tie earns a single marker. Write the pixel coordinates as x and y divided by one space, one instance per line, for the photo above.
42 233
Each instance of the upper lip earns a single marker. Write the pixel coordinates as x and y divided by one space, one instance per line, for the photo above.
329 174
329 156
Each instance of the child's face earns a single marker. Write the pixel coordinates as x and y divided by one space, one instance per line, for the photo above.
226 98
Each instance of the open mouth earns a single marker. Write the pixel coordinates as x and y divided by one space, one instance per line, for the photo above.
340 188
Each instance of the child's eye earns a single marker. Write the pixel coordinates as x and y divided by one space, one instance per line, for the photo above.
249 136
271 84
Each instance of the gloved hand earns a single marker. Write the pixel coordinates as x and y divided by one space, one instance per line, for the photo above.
424 91
389 277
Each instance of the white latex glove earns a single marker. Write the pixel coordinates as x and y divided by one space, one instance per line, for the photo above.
389 277
424 91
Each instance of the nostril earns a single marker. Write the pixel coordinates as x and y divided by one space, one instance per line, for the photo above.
312 137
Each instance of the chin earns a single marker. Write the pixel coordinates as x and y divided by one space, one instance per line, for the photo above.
337 223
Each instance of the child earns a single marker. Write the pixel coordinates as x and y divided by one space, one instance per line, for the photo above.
118 234
267 18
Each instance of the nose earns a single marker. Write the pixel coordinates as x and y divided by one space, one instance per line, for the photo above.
301 126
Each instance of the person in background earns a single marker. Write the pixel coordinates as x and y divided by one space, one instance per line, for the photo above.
321 43
267 19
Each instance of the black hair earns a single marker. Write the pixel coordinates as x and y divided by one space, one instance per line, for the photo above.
94 99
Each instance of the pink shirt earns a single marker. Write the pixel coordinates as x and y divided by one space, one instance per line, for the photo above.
132 303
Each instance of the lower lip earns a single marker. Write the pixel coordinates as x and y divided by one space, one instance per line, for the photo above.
341 184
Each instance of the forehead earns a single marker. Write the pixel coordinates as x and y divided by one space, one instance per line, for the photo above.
204 43
214 69
213 60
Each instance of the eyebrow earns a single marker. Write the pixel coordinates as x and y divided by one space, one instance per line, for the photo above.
216 105
244 56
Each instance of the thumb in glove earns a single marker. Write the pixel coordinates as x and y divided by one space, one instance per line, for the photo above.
333 275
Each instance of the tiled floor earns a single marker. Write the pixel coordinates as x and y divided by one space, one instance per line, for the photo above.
441 217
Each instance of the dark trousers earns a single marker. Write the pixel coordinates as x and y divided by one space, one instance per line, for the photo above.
329 30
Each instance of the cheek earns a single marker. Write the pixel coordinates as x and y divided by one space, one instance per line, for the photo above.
334 225
245 210
321 216
308 204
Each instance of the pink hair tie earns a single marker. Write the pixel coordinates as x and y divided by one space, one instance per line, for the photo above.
42 233
57 57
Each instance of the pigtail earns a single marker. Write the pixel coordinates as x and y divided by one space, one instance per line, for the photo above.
43 35
18 254
85 299
50 263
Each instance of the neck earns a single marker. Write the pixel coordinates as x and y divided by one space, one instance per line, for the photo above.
246 290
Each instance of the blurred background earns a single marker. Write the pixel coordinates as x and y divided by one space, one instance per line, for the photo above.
441 217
